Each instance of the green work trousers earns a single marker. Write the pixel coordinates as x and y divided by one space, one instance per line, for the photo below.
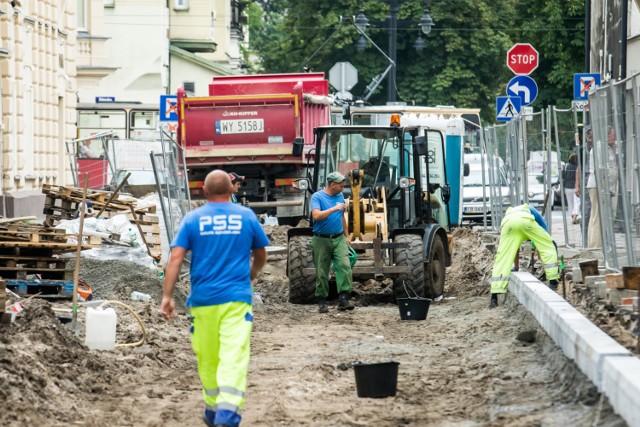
325 251
517 226
220 337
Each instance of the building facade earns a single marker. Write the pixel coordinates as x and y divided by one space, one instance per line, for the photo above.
38 91
137 50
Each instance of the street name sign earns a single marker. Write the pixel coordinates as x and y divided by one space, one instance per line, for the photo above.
524 87
507 107
583 83
522 59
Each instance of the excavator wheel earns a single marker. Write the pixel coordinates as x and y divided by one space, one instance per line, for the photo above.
435 269
411 256
301 288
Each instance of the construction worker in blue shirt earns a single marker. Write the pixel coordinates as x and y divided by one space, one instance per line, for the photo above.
330 242
222 238
522 223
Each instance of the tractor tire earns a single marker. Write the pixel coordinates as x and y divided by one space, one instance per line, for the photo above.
435 269
409 256
301 288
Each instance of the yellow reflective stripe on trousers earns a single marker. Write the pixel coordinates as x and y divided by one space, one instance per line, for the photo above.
500 279
224 389
548 266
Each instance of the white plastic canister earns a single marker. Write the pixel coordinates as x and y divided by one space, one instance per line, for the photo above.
100 333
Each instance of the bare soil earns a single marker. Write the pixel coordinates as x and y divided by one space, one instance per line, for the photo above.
466 365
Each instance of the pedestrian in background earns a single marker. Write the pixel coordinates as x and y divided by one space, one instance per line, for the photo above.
585 199
569 181
85 150
222 238
594 186
522 223
330 242
236 183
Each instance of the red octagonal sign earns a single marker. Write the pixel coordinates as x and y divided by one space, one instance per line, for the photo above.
522 59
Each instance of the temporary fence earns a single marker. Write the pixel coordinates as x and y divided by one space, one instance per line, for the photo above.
615 217
169 168
536 148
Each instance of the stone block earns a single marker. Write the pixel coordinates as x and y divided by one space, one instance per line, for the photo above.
621 385
576 274
614 281
579 339
591 280
614 296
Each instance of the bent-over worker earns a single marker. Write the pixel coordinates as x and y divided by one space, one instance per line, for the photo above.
522 223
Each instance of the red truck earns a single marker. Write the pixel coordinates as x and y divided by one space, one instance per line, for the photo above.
261 127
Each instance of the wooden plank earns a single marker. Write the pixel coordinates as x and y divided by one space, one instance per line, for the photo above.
17 219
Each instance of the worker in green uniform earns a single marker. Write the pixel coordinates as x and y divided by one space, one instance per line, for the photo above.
522 223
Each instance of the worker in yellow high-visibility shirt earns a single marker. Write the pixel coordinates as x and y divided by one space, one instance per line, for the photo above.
522 223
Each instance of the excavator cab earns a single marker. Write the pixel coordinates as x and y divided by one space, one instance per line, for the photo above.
397 215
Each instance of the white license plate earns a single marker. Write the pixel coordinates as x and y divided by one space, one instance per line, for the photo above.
472 209
224 127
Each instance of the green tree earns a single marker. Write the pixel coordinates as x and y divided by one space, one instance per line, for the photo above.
556 29
463 63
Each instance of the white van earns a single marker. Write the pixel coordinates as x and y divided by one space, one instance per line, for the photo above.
476 193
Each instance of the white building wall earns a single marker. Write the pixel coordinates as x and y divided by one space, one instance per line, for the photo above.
633 39
137 46
182 71
38 94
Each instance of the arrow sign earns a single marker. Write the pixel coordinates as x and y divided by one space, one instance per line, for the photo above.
507 107
524 87
583 84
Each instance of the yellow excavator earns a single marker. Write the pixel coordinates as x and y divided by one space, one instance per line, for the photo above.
397 215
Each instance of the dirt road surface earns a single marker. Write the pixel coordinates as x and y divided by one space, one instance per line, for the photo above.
466 365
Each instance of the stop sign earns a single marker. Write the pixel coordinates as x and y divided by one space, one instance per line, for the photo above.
522 59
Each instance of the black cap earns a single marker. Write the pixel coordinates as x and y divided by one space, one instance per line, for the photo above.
235 177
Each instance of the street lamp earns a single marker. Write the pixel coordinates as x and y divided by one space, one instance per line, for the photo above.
425 25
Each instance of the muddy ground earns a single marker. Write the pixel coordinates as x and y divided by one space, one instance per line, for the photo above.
465 365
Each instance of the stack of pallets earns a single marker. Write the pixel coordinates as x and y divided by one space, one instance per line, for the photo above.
62 202
30 262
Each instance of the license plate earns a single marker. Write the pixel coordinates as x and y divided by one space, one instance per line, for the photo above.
225 127
472 209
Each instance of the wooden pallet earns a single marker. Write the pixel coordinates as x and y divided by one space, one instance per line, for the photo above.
97 197
48 289
33 235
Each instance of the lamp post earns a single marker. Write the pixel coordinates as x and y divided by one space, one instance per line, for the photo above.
425 25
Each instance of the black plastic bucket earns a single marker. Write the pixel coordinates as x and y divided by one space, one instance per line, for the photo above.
376 379
413 308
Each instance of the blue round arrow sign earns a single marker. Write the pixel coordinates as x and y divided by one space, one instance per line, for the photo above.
524 87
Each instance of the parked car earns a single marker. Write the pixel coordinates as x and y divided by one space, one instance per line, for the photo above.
476 194
537 189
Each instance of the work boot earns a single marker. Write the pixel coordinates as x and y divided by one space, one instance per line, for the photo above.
322 306
344 303
208 417
553 285
493 303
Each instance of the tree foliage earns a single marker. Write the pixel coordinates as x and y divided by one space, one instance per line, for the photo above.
463 64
